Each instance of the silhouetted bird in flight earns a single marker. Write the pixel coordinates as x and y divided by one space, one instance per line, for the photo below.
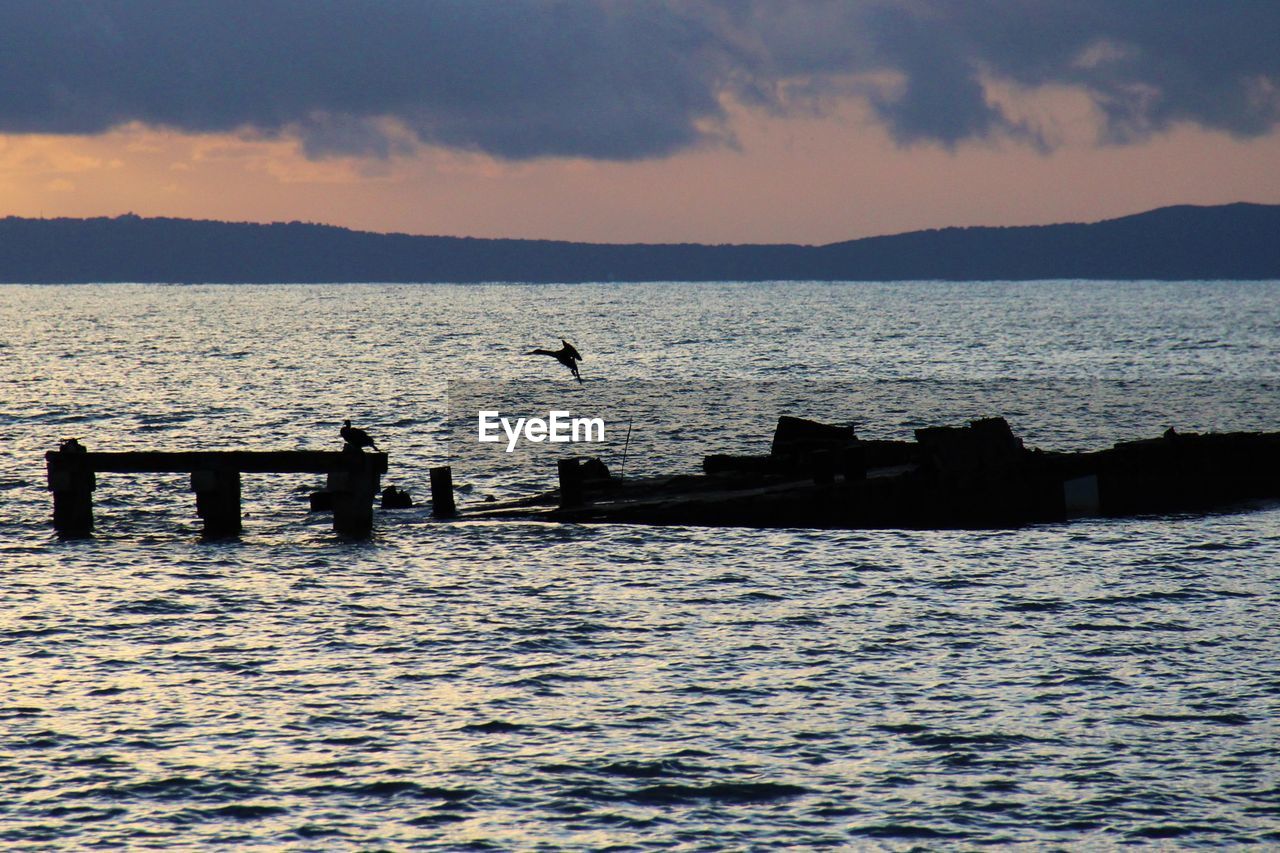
566 355
356 437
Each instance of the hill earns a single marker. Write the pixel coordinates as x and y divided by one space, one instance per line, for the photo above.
1234 241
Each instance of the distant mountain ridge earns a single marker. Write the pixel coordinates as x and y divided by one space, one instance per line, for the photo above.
1232 241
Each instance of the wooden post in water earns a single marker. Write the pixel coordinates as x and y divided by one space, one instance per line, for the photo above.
217 501
570 472
353 492
72 485
442 505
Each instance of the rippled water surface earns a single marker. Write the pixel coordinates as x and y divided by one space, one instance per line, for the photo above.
520 686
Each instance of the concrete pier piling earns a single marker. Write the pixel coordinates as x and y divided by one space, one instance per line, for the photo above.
217 501
72 489
354 489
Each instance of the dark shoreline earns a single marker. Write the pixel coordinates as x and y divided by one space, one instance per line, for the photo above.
1228 242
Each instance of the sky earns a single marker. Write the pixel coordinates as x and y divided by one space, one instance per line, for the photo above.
721 121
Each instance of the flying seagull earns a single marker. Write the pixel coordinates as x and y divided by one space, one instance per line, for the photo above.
355 437
566 355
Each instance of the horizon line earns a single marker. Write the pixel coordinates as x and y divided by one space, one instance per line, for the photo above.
130 215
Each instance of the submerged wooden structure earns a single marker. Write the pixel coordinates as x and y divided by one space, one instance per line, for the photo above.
353 481
978 475
815 475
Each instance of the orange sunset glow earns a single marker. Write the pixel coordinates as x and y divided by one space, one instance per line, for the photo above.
804 180
747 123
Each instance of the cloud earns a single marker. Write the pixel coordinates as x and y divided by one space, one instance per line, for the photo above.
614 80
1147 66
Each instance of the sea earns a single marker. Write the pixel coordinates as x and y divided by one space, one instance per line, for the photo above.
518 685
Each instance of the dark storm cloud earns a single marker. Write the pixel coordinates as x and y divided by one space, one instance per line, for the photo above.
1147 65
621 80
515 79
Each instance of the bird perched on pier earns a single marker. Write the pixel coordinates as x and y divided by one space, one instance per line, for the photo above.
566 355
356 437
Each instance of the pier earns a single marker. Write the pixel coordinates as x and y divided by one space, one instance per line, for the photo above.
815 475
353 479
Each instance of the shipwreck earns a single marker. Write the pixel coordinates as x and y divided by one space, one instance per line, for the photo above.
975 476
